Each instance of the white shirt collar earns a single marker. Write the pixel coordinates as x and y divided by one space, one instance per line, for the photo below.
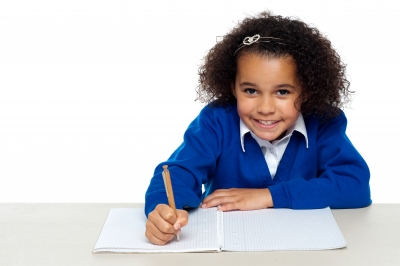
299 126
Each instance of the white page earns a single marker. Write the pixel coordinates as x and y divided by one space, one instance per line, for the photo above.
261 230
281 229
124 232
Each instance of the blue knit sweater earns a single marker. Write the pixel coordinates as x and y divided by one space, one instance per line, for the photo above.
330 172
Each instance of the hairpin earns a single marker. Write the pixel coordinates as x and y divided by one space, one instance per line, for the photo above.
253 39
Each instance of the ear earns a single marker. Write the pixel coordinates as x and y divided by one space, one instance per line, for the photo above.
233 89
305 98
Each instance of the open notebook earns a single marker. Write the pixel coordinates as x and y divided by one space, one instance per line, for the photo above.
210 230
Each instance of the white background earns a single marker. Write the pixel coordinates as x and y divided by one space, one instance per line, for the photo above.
94 94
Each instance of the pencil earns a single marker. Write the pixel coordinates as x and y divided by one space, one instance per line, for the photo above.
169 191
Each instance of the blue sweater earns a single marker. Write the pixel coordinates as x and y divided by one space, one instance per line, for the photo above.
330 172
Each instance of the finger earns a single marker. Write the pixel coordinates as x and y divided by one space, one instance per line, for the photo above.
218 194
155 236
219 201
154 240
167 213
160 223
182 220
231 206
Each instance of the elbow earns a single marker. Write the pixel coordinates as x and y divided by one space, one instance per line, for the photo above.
359 195
351 195
364 197
356 198
362 194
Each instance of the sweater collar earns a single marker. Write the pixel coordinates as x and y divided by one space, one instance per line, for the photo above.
299 126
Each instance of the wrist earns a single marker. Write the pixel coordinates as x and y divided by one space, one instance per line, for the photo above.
269 201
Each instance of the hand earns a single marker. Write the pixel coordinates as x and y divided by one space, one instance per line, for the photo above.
239 199
162 224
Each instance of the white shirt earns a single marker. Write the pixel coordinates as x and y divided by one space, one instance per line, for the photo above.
276 149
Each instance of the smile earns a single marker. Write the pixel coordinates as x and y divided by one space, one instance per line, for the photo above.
267 123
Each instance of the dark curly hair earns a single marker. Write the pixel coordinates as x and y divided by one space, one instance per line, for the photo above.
325 89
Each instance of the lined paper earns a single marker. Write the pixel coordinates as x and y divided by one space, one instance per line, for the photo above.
124 232
281 229
260 230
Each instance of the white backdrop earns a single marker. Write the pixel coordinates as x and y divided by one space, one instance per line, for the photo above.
94 94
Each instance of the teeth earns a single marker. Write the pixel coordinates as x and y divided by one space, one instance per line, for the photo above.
267 123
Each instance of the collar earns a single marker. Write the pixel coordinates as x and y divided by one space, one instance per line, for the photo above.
299 126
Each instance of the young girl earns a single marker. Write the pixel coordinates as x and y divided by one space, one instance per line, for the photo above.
272 134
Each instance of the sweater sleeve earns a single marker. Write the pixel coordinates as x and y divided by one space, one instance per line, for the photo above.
342 179
190 165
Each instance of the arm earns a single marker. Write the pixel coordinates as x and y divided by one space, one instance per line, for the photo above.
190 165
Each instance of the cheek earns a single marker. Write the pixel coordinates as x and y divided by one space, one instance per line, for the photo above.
244 104
287 108
292 111
243 108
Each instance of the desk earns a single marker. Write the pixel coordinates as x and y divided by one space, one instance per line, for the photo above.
65 234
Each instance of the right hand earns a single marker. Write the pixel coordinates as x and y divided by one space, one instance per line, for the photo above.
162 224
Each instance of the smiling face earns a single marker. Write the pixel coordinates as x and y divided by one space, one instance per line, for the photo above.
266 90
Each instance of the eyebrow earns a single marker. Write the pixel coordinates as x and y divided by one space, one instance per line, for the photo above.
247 84
285 85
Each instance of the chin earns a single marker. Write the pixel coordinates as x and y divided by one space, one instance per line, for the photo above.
267 138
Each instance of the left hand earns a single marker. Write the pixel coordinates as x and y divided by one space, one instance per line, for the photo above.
239 199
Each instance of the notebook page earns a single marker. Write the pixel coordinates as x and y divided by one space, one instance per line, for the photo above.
281 229
124 232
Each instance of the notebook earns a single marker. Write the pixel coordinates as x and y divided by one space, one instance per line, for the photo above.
210 230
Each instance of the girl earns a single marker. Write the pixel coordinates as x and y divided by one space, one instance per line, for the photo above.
272 134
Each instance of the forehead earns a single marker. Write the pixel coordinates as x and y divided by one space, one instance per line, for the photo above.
257 67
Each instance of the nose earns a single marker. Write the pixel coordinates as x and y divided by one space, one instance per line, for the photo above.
266 105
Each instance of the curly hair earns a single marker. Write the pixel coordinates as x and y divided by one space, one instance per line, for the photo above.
325 89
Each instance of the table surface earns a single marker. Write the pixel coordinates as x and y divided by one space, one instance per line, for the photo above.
65 234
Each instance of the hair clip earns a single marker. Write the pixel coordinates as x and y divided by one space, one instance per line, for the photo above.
250 40
253 39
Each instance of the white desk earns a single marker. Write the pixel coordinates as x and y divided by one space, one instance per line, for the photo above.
65 234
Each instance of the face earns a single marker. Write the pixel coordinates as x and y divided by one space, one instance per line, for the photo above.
266 90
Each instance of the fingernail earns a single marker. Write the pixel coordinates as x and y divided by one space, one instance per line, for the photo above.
203 205
179 231
177 226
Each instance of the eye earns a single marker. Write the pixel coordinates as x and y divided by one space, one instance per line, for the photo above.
250 91
282 92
